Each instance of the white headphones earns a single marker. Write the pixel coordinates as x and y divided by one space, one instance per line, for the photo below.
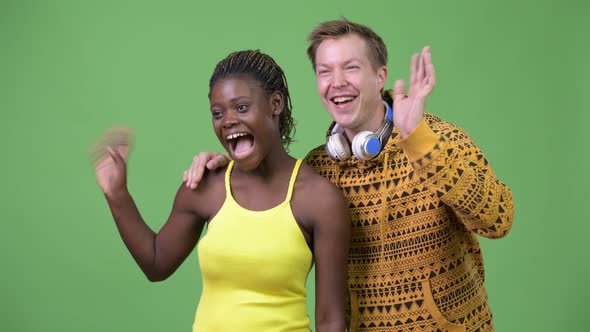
365 145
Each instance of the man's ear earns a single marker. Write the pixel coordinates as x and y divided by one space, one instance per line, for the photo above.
277 102
381 77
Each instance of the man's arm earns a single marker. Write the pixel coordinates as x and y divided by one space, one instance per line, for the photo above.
452 165
457 171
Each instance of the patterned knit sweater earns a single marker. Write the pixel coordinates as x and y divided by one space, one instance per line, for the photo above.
415 263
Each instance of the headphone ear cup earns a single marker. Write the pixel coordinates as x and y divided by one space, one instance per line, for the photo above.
337 147
365 145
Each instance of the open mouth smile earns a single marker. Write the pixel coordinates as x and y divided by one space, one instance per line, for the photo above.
240 144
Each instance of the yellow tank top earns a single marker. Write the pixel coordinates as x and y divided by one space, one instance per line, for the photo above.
254 266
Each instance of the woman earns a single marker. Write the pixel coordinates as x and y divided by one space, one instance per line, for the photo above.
268 216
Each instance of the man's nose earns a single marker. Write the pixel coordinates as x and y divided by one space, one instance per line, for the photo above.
339 79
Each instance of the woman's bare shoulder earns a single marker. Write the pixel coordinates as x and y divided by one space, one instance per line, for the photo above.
317 190
208 197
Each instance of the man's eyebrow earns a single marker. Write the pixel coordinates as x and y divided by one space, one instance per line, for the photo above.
320 64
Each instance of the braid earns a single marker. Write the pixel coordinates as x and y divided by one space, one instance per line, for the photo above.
268 74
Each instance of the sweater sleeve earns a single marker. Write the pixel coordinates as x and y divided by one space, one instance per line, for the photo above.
456 170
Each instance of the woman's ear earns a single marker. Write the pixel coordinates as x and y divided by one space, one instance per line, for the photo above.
277 102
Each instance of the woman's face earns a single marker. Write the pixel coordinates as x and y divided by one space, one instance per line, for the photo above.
245 119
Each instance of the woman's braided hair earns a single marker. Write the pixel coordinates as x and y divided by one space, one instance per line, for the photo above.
263 69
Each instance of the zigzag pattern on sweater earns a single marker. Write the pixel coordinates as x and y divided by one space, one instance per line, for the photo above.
415 263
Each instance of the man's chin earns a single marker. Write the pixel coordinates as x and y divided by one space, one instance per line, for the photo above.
345 121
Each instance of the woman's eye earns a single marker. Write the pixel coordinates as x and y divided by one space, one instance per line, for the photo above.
217 114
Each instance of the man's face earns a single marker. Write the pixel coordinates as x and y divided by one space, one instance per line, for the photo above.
348 85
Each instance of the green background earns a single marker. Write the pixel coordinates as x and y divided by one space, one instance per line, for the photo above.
512 73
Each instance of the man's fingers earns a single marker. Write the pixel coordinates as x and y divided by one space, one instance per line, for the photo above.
197 176
192 171
212 164
196 170
430 73
430 80
199 170
420 72
217 161
427 55
413 69
399 90
202 162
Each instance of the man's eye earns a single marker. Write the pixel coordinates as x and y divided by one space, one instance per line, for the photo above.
352 67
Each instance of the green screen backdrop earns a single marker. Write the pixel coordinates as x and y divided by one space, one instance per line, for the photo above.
512 73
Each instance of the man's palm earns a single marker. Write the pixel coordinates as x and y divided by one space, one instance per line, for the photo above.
409 109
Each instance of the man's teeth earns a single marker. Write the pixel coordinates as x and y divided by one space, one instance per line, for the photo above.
342 99
232 136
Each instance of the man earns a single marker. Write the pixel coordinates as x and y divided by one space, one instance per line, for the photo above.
418 193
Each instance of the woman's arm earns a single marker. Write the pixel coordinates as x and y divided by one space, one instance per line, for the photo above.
157 254
331 242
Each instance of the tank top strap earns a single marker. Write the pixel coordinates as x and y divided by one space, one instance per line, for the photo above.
292 180
227 176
